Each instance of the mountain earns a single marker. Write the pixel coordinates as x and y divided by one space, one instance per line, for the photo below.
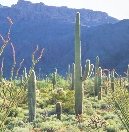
52 28
25 10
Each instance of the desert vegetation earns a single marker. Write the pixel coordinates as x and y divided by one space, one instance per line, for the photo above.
96 101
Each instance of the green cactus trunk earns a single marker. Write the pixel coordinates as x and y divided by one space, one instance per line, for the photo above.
21 80
24 78
32 97
99 83
112 80
58 110
78 70
68 74
54 79
39 74
120 81
108 79
96 76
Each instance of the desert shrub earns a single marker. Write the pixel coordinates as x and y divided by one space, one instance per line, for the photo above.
14 112
24 106
19 129
27 127
51 126
104 106
8 120
37 122
110 128
57 96
43 84
68 103
60 82
72 128
89 87
95 105
110 116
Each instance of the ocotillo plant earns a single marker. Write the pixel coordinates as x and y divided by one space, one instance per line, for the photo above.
78 70
58 110
96 76
1 70
1 75
54 79
32 96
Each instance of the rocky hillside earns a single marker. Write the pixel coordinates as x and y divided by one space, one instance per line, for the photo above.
52 28
25 10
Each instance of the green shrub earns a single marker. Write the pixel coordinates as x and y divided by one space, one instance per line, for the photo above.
104 106
110 128
110 116
51 126
14 112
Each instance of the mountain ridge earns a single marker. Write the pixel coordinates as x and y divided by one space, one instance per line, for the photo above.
26 10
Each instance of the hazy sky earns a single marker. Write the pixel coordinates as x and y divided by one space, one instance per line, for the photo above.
116 8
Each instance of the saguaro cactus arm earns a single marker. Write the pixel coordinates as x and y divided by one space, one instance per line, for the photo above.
88 70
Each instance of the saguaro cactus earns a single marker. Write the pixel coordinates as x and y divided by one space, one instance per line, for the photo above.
54 78
96 76
58 110
68 74
32 96
120 80
112 80
39 72
78 70
24 78
99 83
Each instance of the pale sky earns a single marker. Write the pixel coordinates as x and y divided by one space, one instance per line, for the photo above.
115 8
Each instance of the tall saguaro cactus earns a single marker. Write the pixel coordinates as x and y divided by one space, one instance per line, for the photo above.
78 70
96 76
32 96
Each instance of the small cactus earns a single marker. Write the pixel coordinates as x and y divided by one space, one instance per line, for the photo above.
54 79
58 110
